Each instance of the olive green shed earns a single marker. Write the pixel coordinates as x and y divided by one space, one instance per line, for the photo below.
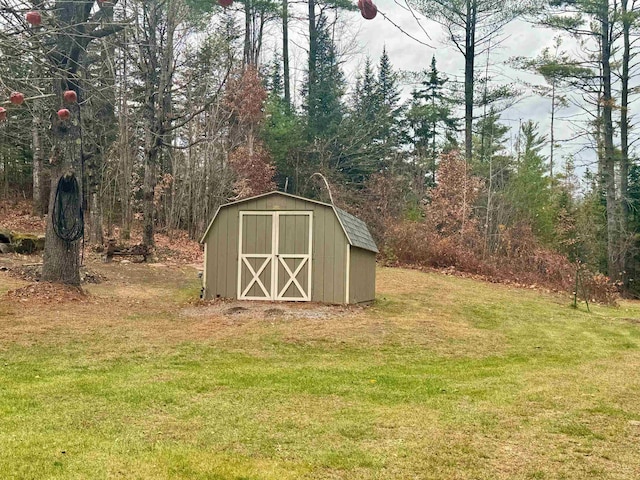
279 246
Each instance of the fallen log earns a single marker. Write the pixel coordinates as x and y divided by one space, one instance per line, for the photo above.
114 250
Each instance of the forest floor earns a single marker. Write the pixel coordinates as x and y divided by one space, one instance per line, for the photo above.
443 378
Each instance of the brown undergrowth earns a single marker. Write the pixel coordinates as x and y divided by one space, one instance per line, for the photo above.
46 293
517 260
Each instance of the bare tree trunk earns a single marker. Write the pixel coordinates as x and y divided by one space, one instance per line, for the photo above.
285 53
313 54
624 136
248 11
38 201
552 132
469 59
125 154
150 61
148 186
96 220
608 170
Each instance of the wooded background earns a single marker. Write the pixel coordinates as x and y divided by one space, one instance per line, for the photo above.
181 108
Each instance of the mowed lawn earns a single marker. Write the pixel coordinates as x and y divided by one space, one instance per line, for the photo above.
444 378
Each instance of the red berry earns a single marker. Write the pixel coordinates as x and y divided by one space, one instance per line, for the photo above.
70 96
367 9
225 3
64 114
34 18
16 98
3 114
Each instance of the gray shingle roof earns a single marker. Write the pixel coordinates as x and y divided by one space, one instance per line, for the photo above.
357 231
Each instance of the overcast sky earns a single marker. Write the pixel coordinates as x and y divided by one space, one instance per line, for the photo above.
360 38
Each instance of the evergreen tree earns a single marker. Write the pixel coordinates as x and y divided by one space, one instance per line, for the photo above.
529 190
323 102
388 111
490 155
365 102
275 84
431 125
283 135
492 164
361 150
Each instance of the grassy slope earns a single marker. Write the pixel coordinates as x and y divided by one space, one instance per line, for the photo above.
443 378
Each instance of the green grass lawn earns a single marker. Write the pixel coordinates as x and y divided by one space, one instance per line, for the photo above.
444 378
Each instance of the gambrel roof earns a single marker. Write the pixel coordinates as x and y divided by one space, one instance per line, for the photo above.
354 229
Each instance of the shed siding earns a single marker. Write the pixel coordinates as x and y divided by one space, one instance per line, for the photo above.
362 284
328 258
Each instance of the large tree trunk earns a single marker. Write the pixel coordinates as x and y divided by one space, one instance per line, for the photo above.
124 150
148 205
469 59
61 261
150 61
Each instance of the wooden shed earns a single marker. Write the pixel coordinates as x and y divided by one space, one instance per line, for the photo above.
279 246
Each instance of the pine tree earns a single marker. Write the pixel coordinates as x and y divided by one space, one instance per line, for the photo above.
365 99
360 149
275 84
529 190
431 125
325 88
388 111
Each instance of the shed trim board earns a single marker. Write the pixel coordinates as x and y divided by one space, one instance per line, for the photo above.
275 260
338 212
204 270
347 275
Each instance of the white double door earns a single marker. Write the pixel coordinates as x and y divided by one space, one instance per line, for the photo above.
274 261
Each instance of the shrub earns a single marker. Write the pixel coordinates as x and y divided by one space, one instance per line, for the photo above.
598 288
519 259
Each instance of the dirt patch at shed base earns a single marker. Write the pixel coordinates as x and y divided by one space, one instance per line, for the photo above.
269 310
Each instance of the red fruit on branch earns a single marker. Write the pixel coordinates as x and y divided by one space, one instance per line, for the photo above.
16 98
225 3
3 114
70 96
64 114
34 18
367 9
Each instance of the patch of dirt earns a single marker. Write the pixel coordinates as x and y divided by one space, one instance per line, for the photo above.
631 320
235 310
255 309
274 312
45 292
32 272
